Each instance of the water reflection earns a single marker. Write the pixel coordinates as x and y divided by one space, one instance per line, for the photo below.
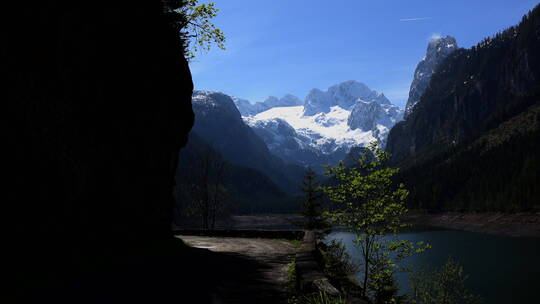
501 269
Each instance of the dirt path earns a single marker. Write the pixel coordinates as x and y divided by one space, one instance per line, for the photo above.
251 270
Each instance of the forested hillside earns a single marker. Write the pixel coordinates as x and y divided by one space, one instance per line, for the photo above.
471 142
218 123
241 190
497 172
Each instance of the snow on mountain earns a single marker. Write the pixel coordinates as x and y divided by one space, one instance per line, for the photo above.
219 123
318 130
344 94
246 108
280 136
316 101
375 117
328 125
437 50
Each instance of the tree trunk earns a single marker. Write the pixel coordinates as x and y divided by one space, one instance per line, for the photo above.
366 267
365 278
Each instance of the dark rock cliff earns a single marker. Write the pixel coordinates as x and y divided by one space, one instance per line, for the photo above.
98 104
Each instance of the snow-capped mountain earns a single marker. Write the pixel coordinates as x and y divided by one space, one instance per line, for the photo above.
344 95
327 125
246 108
219 123
438 49
375 117
307 140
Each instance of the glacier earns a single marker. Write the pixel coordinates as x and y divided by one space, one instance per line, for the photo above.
328 124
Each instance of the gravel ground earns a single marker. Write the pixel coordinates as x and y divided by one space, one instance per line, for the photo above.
262 275
521 224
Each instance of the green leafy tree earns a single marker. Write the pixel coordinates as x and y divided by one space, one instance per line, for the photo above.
444 286
311 204
194 23
369 204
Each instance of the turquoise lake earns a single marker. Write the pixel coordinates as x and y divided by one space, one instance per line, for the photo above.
501 269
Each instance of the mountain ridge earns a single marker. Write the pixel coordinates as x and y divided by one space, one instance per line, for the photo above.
327 125
437 50
219 123
460 148
247 108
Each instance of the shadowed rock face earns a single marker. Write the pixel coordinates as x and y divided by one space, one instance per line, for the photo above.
219 123
99 103
438 49
344 94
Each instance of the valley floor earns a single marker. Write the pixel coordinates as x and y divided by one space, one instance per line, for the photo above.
520 224
270 221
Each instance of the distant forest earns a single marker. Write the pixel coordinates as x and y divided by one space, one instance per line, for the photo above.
475 134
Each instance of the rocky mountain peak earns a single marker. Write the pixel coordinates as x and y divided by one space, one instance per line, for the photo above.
364 115
247 108
205 102
316 101
328 125
290 100
344 95
382 99
437 50
271 101
440 47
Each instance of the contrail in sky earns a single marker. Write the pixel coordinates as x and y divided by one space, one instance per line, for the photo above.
415 19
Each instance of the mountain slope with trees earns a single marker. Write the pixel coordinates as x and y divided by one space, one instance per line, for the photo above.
218 123
471 142
246 190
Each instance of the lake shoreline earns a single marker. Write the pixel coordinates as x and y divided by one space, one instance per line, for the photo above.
516 225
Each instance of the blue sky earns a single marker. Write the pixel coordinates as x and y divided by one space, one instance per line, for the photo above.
275 47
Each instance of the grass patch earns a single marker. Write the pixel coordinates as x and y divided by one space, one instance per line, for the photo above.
295 243
188 244
292 276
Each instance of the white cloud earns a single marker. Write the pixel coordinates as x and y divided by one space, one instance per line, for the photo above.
414 19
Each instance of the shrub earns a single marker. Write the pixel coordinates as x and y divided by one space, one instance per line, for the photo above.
337 261
443 286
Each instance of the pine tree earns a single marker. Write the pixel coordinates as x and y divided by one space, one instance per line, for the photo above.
311 204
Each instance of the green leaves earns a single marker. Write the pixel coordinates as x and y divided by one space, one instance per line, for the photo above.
196 27
443 286
370 205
